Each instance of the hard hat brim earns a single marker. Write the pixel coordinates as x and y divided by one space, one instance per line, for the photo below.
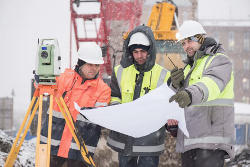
89 61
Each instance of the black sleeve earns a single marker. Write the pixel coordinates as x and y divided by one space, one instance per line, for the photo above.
115 90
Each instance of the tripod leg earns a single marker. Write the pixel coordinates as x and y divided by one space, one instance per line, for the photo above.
71 127
14 150
41 149
49 130
85 150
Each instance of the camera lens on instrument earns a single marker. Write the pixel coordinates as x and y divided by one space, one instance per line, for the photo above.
44 54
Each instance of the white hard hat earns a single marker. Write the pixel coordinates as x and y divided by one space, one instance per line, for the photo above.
91 53
188 29
139 38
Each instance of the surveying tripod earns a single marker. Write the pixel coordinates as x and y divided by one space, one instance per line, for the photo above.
43 150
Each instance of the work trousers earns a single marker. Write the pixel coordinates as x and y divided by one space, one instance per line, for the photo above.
203 158
138 161
56 161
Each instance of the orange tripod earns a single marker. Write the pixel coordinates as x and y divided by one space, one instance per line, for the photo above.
43 150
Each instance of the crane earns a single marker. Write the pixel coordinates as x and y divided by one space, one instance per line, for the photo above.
109 11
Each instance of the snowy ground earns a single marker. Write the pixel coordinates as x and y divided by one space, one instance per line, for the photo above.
105 157
26 156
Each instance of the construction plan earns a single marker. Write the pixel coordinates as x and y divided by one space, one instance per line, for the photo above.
141 117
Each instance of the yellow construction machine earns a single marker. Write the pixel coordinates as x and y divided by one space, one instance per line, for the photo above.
164 24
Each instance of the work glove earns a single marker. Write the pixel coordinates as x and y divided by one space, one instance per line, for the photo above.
183 98
172 129
177 77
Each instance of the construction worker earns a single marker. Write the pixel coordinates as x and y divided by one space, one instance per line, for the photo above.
136 75
83 86
204 88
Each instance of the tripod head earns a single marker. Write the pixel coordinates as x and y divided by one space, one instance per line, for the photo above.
48 62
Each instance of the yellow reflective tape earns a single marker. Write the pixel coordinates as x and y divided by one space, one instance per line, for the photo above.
213 89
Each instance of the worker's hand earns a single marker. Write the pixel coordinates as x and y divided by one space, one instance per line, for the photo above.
172 122
172 127
183 98
177 77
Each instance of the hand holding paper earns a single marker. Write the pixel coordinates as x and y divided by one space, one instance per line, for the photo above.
140 117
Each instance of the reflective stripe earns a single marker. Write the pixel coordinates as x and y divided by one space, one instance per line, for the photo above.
218 102
53 141
56 114
217 81
210 139
75 147
162 77
72 146
119 76
115 143
206 63
115 103
59 115
136 148
98 104
213 88
210 60
204 89
157 148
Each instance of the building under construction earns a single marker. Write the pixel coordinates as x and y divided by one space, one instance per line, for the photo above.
6 113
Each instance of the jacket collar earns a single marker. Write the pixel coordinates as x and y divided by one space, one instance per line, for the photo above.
89 82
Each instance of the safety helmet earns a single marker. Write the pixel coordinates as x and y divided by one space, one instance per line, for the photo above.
139 38
91 53
188 29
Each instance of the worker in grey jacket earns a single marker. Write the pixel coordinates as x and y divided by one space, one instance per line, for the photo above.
204 88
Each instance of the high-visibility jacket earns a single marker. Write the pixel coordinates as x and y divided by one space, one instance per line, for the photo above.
91 93
152 144
210 117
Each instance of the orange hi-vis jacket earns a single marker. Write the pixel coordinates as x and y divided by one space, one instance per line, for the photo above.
90 93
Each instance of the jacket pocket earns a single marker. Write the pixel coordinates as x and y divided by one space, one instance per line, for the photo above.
198 120
222 118
127 94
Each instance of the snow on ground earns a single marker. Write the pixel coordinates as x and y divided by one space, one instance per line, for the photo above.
26 156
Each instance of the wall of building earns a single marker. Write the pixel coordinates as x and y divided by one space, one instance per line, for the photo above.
6 113
236 42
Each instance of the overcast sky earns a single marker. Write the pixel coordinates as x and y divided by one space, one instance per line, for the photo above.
21 24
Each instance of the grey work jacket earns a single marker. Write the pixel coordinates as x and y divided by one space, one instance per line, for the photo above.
211 124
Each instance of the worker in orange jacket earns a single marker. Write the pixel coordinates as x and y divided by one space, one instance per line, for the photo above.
83 86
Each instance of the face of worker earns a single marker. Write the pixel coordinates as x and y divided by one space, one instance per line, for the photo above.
89 71
140 55
190 47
